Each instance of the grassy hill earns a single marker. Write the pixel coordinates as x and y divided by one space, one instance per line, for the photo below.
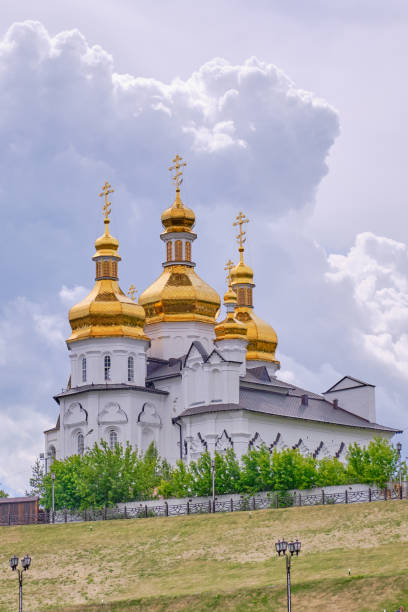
215 562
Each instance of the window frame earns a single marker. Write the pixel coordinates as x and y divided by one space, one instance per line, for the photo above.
107 366
83 369
131 368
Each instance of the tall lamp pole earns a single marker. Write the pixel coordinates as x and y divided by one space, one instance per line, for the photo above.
53 496
294 548
399 448
25 563
46 458
213 483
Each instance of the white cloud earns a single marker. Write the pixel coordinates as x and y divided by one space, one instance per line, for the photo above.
72 296
376 270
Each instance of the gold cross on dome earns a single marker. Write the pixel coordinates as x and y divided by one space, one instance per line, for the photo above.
106 190
228 266
178 175
131 293
240 220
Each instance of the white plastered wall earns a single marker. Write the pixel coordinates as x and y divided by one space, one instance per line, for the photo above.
173 339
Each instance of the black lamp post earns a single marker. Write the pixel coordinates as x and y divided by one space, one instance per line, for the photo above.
25 563
399 448
213 483
294 548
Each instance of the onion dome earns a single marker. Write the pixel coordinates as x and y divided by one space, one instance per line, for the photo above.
230 328
106 311
179 294
262 338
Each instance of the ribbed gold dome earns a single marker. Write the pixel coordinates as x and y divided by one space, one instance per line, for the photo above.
178 218
230 328
179 294
106 311
262 338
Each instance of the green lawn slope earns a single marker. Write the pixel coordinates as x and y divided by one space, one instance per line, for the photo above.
215 562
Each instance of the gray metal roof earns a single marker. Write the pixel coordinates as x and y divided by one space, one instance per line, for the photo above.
290 405
107 387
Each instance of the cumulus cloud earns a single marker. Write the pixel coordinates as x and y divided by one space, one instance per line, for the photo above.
71 296
376 272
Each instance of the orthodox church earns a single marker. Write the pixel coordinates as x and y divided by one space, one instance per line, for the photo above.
164 370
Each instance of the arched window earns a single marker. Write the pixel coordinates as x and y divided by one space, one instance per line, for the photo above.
188 251
83 369
107 367
113 439
131 370
80 444
51 454
178 250
169 251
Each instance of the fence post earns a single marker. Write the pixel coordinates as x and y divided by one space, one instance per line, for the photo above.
188 507
253 504
104 513
65 516
400 492
125 513
369 494
277 499
322 497
209 506
145 510
346 496
85 515
231 505
385 493
213 506
166 508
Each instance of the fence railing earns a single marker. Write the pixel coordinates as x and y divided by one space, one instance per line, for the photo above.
245 502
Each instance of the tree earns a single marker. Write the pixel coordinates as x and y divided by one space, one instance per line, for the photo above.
256 472
375 464
331 471
3 494
66 489
292 470
179 483
36 483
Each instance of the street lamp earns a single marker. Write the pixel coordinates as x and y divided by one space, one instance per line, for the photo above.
25 563
46 458
213 483
53 496
294 548
399 448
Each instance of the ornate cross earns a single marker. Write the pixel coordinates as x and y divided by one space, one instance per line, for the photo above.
131 293
106 190
178 176
228 266
240 220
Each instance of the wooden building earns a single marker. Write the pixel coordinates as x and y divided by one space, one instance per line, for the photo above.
18 510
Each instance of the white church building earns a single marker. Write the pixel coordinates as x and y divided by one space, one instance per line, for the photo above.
163 370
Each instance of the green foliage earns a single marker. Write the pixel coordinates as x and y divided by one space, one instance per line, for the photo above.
36 480
376 464
3 494
104 476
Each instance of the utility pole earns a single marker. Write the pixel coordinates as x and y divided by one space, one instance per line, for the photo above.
213 483
53 496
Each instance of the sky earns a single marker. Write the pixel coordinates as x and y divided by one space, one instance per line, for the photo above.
293 112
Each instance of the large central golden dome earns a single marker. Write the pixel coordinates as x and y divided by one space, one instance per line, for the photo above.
179 294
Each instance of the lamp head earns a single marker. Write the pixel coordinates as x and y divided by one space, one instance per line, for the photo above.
291 547
26 562
14 562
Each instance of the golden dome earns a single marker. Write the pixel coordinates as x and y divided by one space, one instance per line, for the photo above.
262 338
179 294
242 274
178 218
106 311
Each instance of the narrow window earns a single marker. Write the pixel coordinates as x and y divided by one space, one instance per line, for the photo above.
169 251
241 296
131 371
113 439
80 444
178 250
98 268
106 269
114 268
188 251
107 367
83 369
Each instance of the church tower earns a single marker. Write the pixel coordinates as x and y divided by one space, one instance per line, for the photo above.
180 307
262 338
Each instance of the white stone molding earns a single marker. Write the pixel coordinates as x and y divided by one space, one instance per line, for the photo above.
149 416
223 442
302 448
112 413
256 442
322 451
74 415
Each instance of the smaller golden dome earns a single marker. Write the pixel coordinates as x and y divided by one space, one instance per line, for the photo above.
230 297
230 329
178 218
242 274
106 245
261 336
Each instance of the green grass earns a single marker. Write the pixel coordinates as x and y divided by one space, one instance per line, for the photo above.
215 562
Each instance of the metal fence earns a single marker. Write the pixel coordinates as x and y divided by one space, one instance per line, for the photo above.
244 502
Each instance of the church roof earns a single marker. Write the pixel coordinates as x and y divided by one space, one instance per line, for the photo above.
290 405
107 387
